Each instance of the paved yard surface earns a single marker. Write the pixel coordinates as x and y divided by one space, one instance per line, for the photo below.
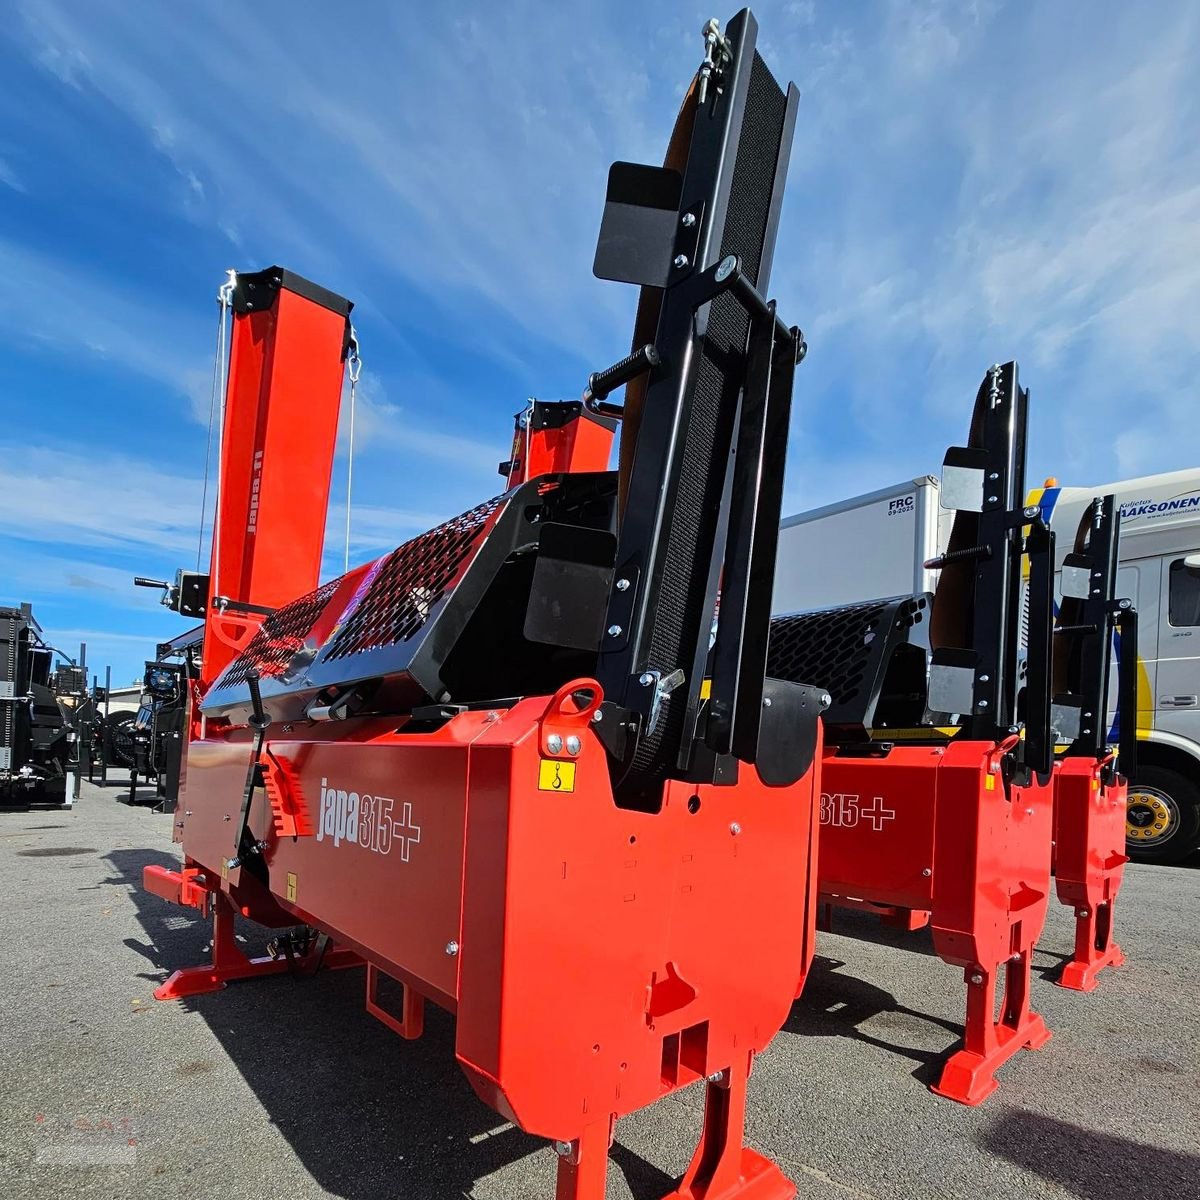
286 1088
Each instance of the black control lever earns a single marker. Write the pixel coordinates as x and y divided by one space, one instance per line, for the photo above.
260 722
142 581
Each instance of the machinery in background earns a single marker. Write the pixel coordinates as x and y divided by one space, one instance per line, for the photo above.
147 742
1090 781
877 545
159 728
36 735
936 795
507 764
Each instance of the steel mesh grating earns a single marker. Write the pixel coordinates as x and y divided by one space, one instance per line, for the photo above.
403 590
834 648
280 636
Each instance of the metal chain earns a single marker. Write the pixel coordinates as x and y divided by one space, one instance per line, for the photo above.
221 376
354 360
212 412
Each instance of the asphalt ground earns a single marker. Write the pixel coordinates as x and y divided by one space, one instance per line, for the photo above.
287 1088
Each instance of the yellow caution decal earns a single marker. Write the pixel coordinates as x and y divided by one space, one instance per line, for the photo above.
291 886
554 775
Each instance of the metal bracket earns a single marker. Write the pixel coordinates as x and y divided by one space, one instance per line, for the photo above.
663 686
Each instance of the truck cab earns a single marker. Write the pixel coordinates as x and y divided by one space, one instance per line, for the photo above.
1160 572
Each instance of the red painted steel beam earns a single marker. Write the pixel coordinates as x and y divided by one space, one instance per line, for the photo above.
280 429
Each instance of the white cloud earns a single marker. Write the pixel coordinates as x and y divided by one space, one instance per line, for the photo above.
9 177
64 309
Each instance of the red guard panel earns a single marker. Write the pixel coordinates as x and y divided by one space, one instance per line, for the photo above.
1089 863
935 828
281 414
581 443
612 944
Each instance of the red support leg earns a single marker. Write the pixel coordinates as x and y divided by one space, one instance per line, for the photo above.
724 1167
583 1164
969 1075
1094 948
229 962
411 1022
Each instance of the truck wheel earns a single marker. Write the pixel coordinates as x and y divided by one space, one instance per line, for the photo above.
1162 818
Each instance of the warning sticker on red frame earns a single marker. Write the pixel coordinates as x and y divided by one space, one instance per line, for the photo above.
554 775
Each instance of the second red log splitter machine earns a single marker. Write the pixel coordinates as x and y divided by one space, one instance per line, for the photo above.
951 825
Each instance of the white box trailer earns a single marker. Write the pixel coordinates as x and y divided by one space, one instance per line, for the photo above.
876 545
861 549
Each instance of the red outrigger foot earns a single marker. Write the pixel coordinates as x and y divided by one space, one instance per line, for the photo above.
723 1167
969 1075
1094 949
229 962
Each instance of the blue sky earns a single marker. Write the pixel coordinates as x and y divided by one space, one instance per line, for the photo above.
971 181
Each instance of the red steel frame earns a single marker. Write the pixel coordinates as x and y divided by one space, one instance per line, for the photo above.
583 443
591 954
936 833
1089 862
596 958
280 428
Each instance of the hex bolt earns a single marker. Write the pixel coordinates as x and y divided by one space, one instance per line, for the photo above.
826 699
614 631
1029 812
983 704
622 585
645 679
688 220
734 828
554 743
927 872
562 1149
976 978
717 1077
993 499
1083 912
766 702
597 716
573 744
452 948
993 474
681 260
985 678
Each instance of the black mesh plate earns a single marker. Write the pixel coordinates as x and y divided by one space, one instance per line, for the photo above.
279 637
404 587
846 651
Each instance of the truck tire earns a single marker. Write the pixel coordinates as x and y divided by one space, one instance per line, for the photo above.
1162 823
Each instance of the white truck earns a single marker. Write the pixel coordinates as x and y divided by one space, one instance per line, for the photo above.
876 545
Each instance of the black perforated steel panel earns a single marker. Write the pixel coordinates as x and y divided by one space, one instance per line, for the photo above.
406 585
279 637
846 651
680 615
